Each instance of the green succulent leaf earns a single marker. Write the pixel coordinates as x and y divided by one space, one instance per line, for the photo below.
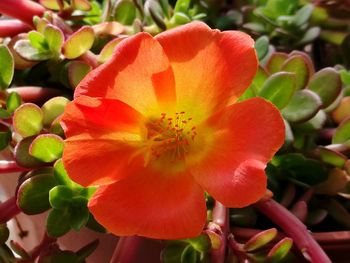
27 51
6 67
47 147
28 120
54 38
262 46
342 133
58 222
280 250
53 108
13 101
297 64
125 12
22 156
77 70
61 175
79 42
61 196
260 239
275 62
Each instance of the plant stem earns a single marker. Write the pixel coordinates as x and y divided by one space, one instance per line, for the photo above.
126 249
220 218
10 167
44 244
12 27
8 210
90 58
294 229
23 10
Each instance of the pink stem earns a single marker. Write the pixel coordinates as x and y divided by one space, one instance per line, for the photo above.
126 249
8 210
10 167
90 59
45 243
220 218
12 27
35 94
294 229
23 10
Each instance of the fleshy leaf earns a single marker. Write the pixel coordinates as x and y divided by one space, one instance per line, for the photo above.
302 15
60 196
79 213
297 64
33 194
280 250
327 84
47 147
275 62
58 222
53 108
279 88
78 43
82 5
5 137
13 101
108 49
28 120
311 104
342 133
260 239
314 124
335 183
262 46
332 157
22 156
125 12
6 67
54 38
77 70
61 175
342 111
28 52
108 28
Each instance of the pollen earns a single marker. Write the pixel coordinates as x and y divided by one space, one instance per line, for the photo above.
170 136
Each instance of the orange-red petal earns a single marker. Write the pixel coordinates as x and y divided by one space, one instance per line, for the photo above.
151 203
209 66
101 134
246 135
138 74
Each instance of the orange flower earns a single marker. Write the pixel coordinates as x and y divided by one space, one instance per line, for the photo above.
155 127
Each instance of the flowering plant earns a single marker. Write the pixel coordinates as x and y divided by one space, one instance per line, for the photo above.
135 119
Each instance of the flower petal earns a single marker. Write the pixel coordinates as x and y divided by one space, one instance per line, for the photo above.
245 136
138 74
209 66
152 204
101 134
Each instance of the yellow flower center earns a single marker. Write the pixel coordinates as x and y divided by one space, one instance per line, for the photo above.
169 137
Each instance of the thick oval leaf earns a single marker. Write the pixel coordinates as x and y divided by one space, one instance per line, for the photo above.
280 250
303 106
262 46
314 124
302 15
53 108
77 70
28 120
260 239
37 40
61 175
52 4
331 157
335 183
5 137
108 49
82 5
275 62
125 12
60 196
79 213
342 133
22 156
327 84
20 62
54 38
33 194
13 101
297 64
28 52
108 28
6 67
78 43
279 88
57 223
342 111
47 147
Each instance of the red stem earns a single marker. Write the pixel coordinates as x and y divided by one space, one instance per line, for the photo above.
44 244
23 10
10 167
126 249
90 58
220 218
8 210
36 94
12 27
294 229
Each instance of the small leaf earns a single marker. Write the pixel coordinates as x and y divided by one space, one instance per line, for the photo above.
261 239
310 35
37 40
275 62
327 84
125 12
53 108
58 222
26 51
108 28
77 70
5 137
47 147
332 157
181 18
262 46
22 156
316 123
302 15
310 102
108 49
189 255
335 183
54 38
279 88
33 194
200 243
87 250
342 133
4 114
79 43
28 120
79 213
61 175
297 64
82 5
13 101
51 4
60 197
6 67
280 250
342 111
